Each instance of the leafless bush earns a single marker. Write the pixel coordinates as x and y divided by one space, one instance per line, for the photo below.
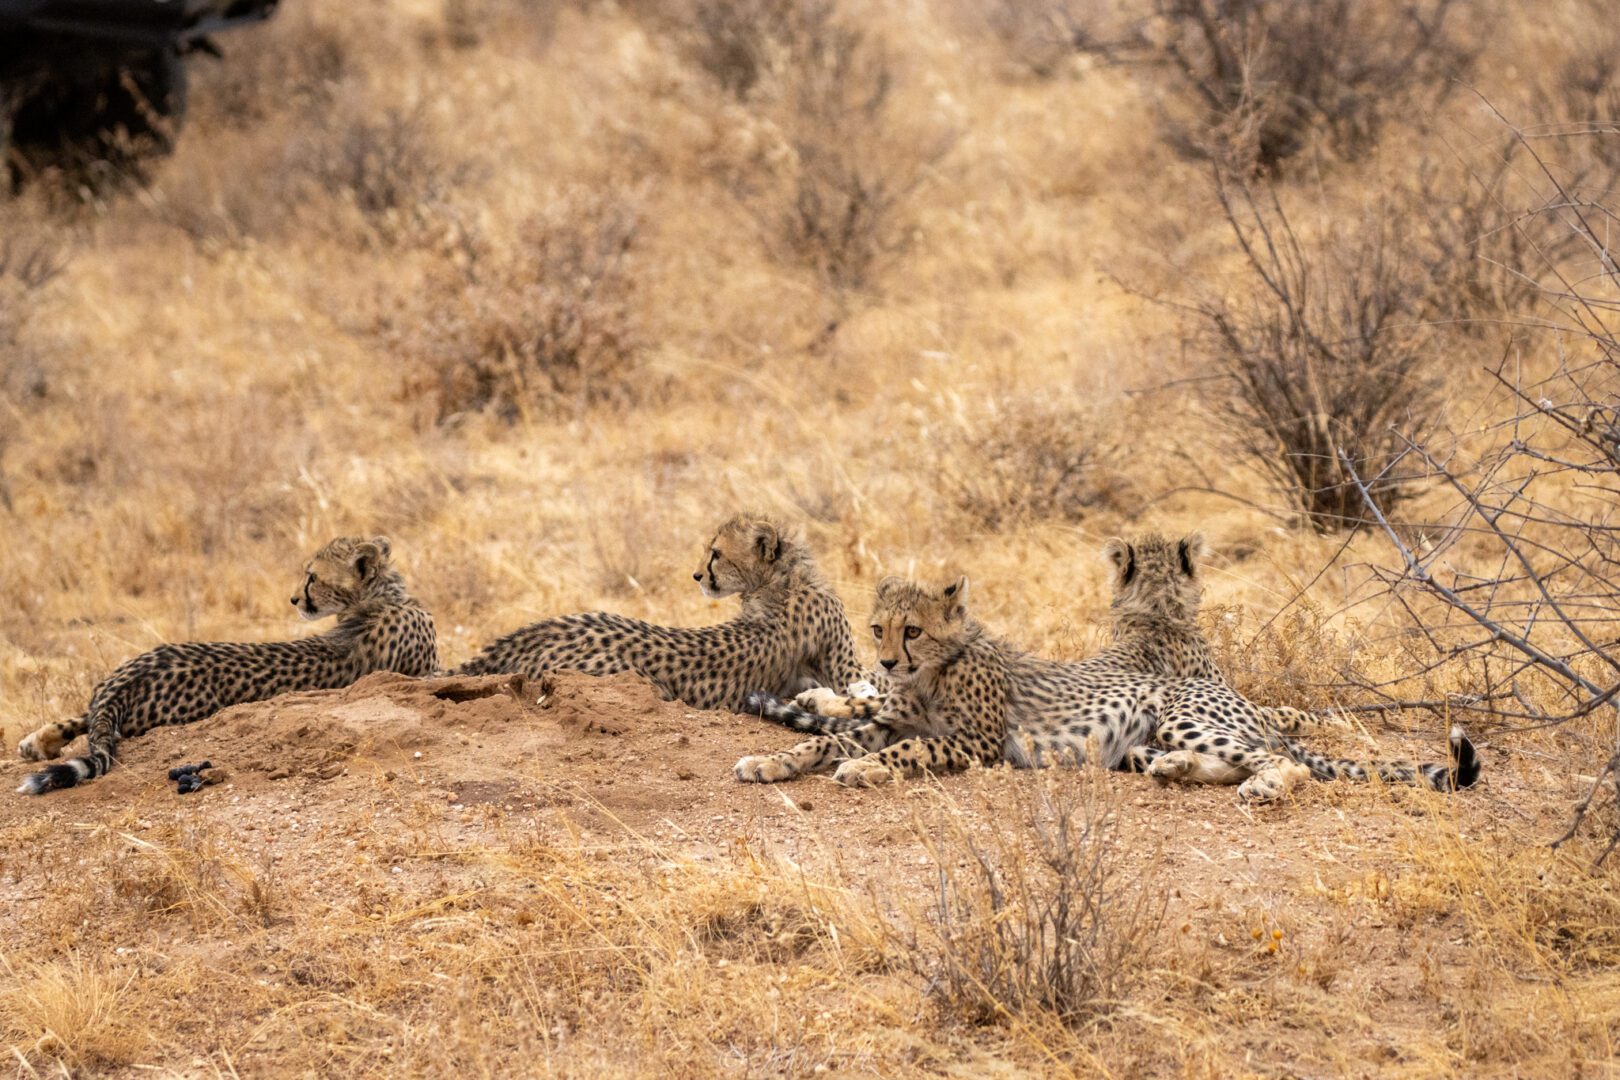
1027 460
1035 35
469 23
1044 916
28 264
549 322
295 62
1480 245
1537 632
741 42
1327 355
1580 96
389 163
855 162
1263 77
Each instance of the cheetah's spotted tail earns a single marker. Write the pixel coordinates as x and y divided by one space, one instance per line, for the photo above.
770 707
99 758
1461 771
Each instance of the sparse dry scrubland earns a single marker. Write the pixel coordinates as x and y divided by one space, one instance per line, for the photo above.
544 290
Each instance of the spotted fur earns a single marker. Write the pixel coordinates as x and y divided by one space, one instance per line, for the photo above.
1156 702
947 701
791 633
380 628
1109 702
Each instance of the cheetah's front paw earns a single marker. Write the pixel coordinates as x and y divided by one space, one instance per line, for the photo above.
764 769
42 745
863 772
1174 765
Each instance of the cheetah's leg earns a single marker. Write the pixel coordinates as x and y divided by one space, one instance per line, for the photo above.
1221 757
829 703
1191 767
48 741
908 757
1287 720
813 754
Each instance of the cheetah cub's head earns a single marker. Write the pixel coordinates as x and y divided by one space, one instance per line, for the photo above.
340 575
918 627
1155 577
747 551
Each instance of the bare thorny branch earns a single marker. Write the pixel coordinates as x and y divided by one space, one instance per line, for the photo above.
1542 499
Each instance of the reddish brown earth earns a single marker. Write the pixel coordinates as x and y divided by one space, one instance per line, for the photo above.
347 794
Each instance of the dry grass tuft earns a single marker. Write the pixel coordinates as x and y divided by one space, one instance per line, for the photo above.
1040 915
69 1011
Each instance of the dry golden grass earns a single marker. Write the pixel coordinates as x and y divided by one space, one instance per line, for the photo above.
333 310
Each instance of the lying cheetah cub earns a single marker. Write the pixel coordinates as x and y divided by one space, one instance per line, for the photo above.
380 628
1155 701
946 706
791 633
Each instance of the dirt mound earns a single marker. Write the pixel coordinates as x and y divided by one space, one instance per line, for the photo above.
610 749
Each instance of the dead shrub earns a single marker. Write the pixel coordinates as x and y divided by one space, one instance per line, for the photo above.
548 323
470 23
1261 79
740 42
296 63
28 264
839 205
1577 97
1327 356
1039 914
1028 460
1035 36
1481 247
390 164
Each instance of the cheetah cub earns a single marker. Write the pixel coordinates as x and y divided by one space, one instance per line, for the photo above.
380 628
791 633
947 700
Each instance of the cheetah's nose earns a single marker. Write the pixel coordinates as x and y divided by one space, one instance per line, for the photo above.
889 664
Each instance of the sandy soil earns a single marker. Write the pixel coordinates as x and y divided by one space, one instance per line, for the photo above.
320 790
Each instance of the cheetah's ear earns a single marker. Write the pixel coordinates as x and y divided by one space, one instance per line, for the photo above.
1191 552
767 542
956 598
1123 556
370 556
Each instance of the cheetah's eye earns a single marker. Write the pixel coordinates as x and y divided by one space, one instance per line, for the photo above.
877 631
913 632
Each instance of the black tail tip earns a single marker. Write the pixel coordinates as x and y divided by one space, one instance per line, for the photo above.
759 702
1465 763
50 778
